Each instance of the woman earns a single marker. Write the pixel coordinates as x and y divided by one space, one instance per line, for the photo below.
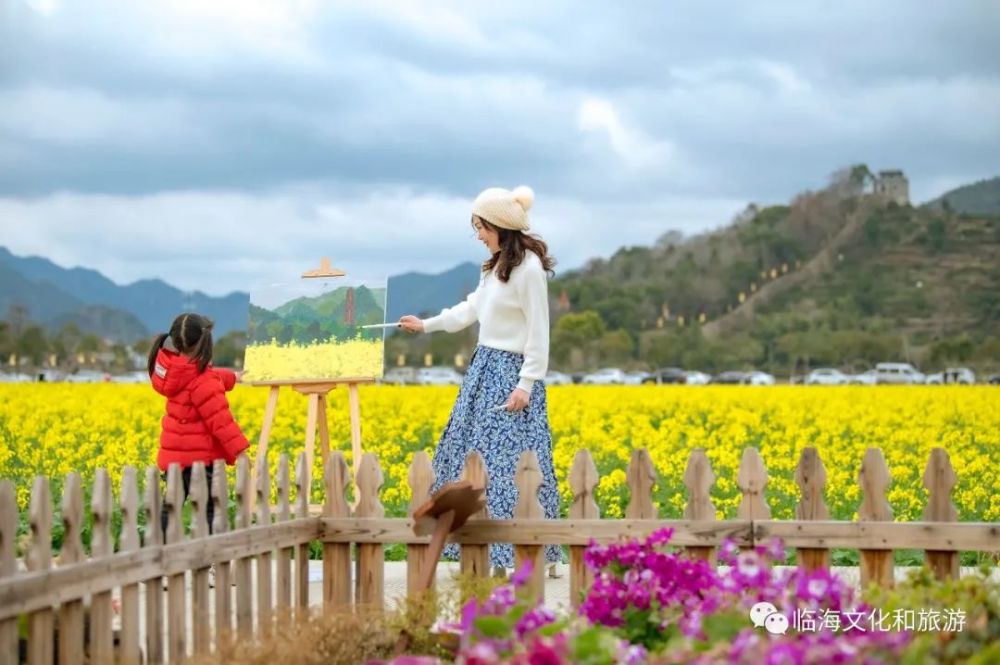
501 408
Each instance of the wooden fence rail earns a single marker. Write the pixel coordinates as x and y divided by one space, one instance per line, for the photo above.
266 555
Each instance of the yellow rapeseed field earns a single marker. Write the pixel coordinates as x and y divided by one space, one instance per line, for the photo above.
315 360
55 429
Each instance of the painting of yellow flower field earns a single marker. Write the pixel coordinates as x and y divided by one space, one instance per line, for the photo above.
313 330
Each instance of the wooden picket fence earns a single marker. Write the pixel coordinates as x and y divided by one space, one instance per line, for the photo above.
72 597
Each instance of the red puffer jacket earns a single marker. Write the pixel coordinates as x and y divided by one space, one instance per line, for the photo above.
198 426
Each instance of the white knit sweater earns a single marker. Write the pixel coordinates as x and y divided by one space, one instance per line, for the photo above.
512 316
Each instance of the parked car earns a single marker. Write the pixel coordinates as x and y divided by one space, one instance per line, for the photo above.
132 377
558 379
14 378
827 376
993 380
696 378
960 375
400 376
635 378
866 378
731 377
606 376
438 376
897 373
88 376
667 375
758 379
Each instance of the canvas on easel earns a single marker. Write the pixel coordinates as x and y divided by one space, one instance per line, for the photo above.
312 330
313 334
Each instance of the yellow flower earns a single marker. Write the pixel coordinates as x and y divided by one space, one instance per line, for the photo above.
55 429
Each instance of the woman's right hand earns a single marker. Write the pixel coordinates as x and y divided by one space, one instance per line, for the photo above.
411 324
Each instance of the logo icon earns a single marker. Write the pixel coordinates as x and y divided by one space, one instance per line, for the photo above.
776 624
760 612
767 615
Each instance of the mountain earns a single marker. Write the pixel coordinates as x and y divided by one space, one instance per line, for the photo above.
421 293
104 321
979 198
54 295
841 276
52 307
153 302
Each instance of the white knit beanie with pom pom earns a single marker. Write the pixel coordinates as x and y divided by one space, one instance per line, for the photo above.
505 208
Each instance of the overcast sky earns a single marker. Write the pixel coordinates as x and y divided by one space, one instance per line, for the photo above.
216 144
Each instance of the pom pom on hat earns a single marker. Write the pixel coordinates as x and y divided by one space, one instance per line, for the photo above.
525 196
505 208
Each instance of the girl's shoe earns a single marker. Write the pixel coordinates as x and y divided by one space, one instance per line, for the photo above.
499 571
554 571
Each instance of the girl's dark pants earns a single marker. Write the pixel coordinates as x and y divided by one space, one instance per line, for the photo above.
186 481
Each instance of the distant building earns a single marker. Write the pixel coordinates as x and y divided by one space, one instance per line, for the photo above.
893 186
564 305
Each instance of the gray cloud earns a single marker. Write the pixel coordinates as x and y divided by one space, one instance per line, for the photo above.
183 113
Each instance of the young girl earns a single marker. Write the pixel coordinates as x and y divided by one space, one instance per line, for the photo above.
198 425
501 408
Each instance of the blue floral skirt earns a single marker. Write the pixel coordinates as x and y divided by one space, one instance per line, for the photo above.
499 437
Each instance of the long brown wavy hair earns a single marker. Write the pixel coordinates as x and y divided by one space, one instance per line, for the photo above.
513 245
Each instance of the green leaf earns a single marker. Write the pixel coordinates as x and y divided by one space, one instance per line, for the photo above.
552 629
724 626
493 626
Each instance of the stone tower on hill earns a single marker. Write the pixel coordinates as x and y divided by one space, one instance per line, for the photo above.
893 186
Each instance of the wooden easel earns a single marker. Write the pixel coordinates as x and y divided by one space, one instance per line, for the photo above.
316 391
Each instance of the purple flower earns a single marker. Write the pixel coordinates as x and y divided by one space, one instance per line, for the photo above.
469 611
523 574
533 620
482 653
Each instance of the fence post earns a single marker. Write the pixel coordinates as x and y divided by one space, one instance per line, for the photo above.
874 479
421 478
176 593
641 477
8 565
527 479
71 623
101 545
752 479
39 559
283 580
303 485
476 558
129 542
265 617
336 556
370 581
220 524
939 479
699 478
583 479
244 579
201 621
154 587
810 476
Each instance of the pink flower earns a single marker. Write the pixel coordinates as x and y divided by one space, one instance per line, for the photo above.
523 574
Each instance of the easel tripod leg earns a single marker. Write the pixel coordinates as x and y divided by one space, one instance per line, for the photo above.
262 441
324 432
312 413
355 409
